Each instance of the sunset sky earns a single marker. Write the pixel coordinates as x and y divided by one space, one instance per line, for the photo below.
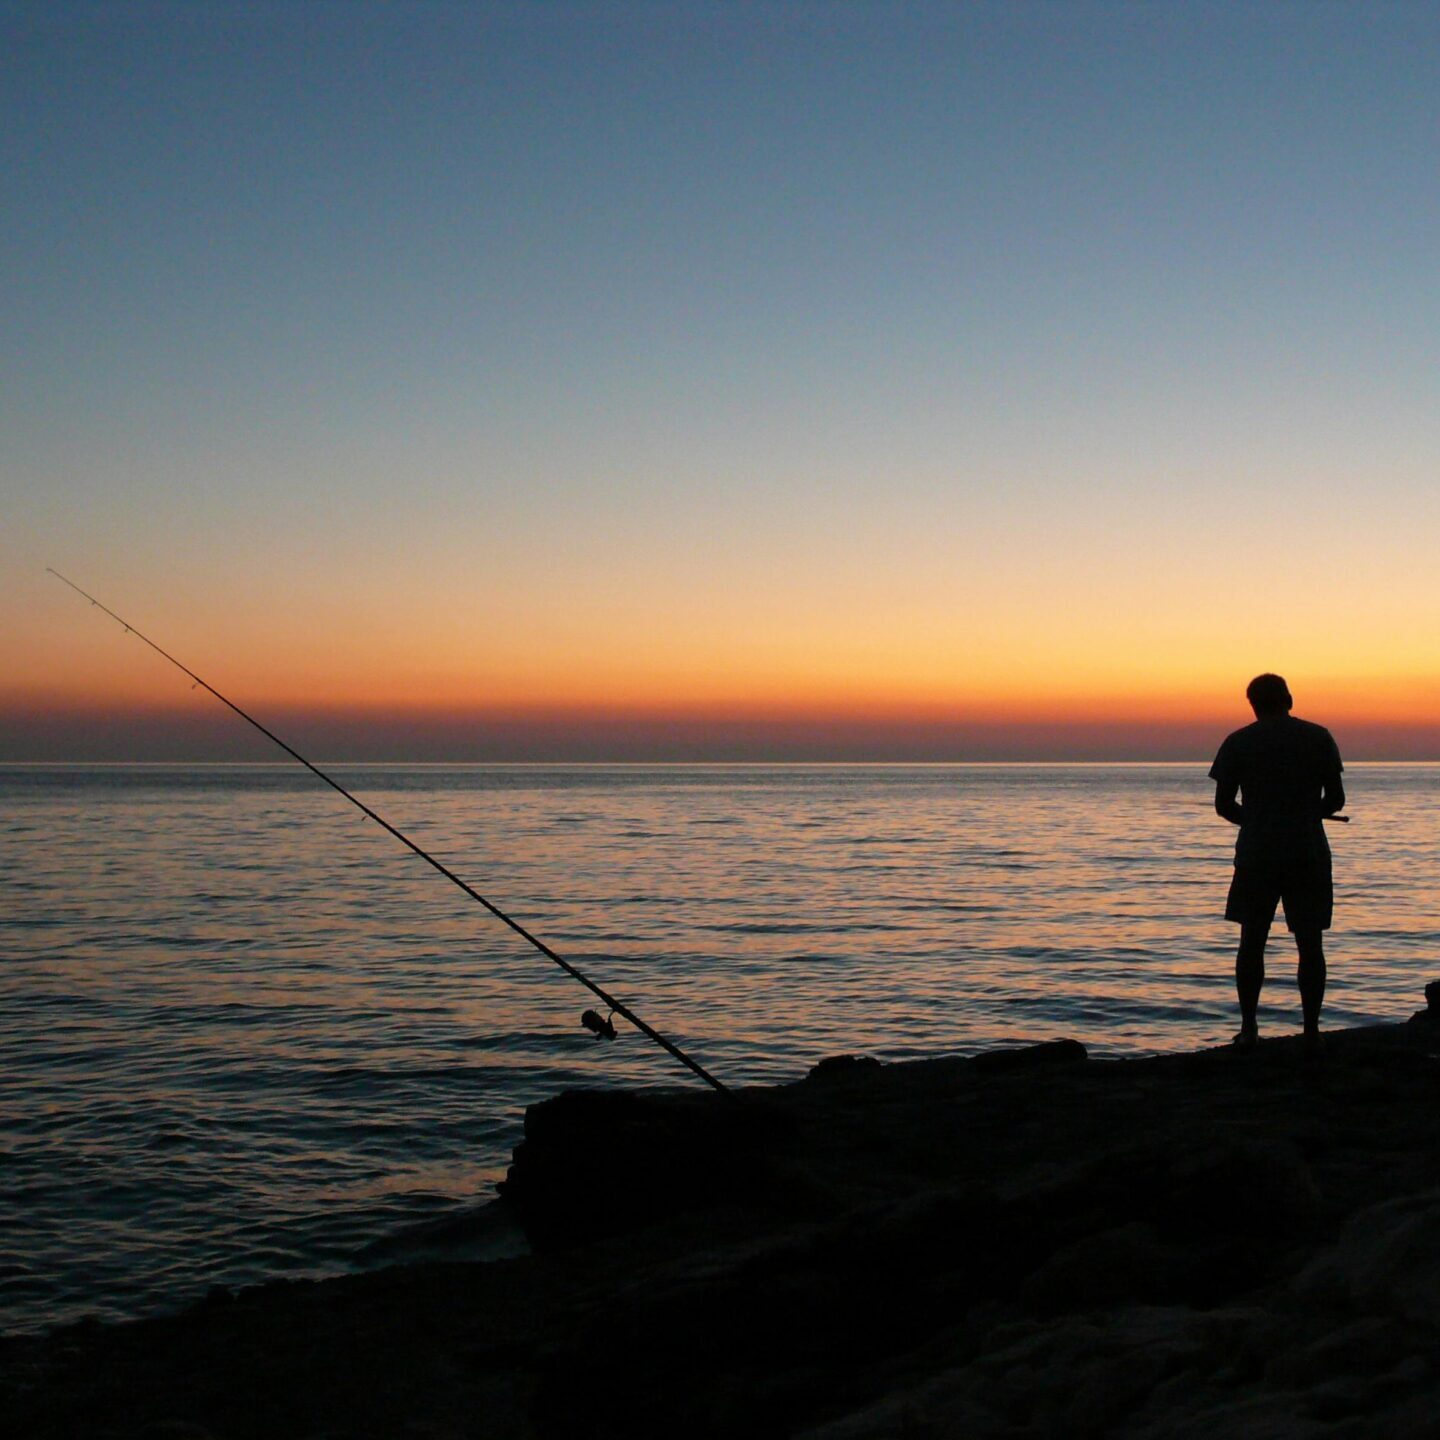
858 381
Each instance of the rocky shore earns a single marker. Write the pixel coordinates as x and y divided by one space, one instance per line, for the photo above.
1026 1243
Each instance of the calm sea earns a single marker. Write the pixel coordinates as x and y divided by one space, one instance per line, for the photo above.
246 1034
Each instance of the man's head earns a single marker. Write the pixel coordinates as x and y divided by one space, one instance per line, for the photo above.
1268 695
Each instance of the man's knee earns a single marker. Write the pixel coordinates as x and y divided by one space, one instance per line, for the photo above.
1252 942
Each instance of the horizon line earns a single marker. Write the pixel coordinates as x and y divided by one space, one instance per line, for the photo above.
658 764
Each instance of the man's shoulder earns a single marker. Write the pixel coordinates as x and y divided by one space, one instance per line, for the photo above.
1284 728
1321 743
1238 739
1266 742
1232 748
1311 730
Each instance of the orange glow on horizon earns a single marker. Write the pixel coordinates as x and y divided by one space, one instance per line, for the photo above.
796 727
1382 700
863 680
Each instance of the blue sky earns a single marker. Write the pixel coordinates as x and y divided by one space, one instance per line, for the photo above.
1050 314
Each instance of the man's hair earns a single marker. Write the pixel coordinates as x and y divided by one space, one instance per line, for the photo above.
1267 694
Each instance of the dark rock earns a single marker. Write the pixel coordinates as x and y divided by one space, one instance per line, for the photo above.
1029 1057
842 1066
1257 1189
1386 1261
598 1163
1126 1264
1365 1346
1432 997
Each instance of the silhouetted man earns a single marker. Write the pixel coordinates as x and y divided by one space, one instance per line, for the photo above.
1286 773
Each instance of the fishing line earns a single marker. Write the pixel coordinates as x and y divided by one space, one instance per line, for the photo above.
615 1005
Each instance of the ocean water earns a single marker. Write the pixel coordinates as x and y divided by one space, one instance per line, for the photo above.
246 1034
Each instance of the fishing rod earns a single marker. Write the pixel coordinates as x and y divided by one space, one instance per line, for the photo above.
591 1020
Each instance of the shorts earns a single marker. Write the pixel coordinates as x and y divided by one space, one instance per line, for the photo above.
1301 882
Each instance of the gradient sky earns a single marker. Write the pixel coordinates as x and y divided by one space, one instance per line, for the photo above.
685 380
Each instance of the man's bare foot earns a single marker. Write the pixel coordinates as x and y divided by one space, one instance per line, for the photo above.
1248 1037
1314 1041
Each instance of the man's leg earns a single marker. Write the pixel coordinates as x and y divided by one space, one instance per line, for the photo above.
1311 975
1250 977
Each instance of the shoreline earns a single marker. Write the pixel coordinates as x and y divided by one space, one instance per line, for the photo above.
1023 1242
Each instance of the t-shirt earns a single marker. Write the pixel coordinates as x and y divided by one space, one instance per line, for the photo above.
1281 765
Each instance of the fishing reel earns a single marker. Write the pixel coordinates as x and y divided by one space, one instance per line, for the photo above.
602 1029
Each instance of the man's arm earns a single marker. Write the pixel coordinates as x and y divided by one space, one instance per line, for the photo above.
1227 806
1332 796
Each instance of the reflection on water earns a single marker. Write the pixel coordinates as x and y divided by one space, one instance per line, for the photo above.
248 1034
